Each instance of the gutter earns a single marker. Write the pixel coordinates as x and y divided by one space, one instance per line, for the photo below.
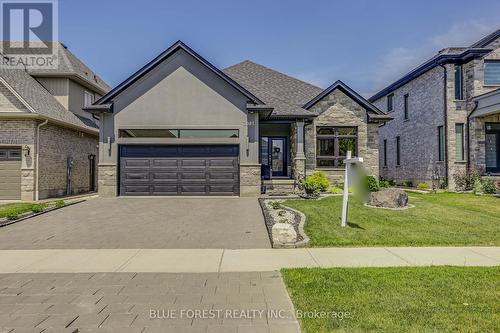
38 156
445 119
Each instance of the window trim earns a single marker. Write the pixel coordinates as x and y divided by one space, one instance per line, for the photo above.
390 102
398 150
405 106
335 137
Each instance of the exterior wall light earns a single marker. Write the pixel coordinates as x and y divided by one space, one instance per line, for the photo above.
26 150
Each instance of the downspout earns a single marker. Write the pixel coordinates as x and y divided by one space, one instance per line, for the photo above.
38 156
445 118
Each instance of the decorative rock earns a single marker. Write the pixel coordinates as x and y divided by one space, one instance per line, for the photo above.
284 235
389 198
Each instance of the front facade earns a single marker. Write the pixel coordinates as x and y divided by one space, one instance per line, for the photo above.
180 126
48 143
437 130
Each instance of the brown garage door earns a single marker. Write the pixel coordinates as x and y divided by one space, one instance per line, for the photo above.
179 170
10 173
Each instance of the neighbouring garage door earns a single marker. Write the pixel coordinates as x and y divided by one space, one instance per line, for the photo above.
179 170
10 173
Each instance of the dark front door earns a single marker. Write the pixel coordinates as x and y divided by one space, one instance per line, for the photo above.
278 156
492 147
179 170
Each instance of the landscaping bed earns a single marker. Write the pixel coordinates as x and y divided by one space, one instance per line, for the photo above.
410 299
438 219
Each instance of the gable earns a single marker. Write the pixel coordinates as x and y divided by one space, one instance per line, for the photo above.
9 102
338 105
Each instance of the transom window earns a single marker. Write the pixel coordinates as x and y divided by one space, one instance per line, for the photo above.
179 133
332 145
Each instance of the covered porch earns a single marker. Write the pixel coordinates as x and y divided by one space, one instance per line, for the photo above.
281 155
485 133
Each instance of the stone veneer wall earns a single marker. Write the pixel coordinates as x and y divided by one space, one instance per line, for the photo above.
56 145
338 109
107 180
250 180
20 133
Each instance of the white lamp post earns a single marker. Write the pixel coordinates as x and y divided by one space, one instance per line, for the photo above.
345 202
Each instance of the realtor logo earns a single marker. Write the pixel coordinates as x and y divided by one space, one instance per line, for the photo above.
29 33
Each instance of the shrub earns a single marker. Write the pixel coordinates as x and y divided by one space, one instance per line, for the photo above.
384 184
312 187
275 205
372 184
465 179
488 185
335 190
321 179
408 183
478 186
37 208
60 203
423 186
12 216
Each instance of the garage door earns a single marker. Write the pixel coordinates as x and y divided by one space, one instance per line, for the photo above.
10 174
179 170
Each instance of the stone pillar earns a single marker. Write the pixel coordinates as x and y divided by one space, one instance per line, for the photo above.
250 180
107 181
298 151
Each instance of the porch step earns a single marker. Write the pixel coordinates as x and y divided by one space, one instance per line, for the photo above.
279 186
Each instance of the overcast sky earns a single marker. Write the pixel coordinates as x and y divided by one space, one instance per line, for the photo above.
367 44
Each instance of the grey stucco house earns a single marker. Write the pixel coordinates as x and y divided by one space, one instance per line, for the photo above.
180 126
48 143
446 116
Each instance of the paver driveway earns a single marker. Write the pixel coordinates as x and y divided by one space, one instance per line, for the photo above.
147 223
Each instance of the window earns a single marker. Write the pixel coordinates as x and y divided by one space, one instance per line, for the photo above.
88 98
332 145
492 73
176 133
406 106
459 142
385 152
398 150
390 102
459 91
440 143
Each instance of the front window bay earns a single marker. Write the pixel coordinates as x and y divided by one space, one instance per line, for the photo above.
333 143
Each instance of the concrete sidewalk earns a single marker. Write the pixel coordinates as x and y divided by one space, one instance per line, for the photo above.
245 260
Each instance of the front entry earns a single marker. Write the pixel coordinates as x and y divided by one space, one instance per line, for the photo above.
273 157
492 146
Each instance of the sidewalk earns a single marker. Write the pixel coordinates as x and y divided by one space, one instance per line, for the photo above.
246 260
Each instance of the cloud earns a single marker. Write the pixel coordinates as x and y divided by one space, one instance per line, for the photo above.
401 60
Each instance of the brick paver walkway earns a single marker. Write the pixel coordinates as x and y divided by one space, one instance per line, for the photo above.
122 302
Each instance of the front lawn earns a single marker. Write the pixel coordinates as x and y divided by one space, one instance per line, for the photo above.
437 219
15 208
411 299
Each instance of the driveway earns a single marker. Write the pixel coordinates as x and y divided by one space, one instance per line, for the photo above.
147 223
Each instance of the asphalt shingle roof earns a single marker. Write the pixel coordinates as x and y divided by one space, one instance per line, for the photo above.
40 100
284 93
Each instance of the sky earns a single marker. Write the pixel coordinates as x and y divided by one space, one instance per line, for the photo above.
366 44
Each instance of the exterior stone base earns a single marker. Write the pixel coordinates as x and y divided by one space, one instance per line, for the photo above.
27 184
107 181
249 180
280 186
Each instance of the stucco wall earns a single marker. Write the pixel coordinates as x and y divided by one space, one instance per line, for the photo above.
56 145
338 109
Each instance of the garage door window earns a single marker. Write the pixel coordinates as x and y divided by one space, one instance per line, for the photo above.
148 133
208 133
178 133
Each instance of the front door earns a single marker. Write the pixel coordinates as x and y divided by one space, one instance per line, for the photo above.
277 149
492 146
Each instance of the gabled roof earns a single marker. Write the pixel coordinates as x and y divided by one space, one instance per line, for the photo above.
40 102
284 93
448 55
160 58
68 65
369 107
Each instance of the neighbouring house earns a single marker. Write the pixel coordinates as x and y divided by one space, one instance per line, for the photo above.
48 143
180 126
446 116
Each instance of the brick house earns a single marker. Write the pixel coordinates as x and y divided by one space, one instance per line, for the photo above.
47 141
439 126
181 126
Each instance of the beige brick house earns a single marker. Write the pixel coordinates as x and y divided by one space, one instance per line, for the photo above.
446 116
48 143
181 126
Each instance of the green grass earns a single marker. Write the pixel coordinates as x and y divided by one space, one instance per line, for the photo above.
16 208
437 219
416 299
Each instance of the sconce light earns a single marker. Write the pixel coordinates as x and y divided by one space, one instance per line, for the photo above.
26 150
